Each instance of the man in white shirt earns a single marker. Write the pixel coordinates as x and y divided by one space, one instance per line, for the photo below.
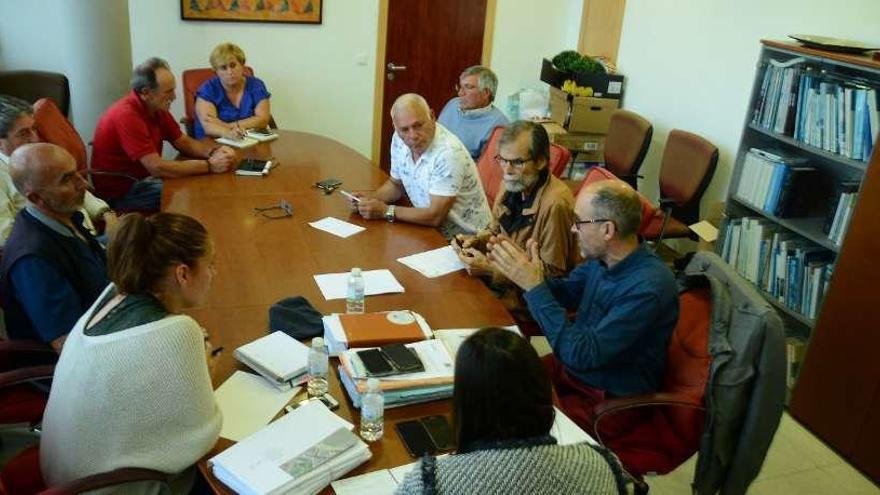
17 127
435 171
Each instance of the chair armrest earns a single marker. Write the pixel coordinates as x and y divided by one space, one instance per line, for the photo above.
110 478
24 375
26 346
16 354
658 399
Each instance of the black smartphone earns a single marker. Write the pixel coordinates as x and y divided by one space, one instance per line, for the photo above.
404 359
415 438
375 363
440 432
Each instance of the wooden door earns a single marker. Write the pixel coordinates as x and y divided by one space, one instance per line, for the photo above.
428 44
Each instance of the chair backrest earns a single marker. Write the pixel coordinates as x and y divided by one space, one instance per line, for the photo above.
31 85
629 136
192 81
54 128
595 174
687 356
687 167
491 174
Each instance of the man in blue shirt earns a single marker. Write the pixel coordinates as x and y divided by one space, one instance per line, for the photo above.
53 268
471 116
625 298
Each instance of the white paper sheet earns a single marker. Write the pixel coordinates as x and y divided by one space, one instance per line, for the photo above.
453 337
705 230
401 471
248 402
434 263
375 483
335 285
337 227
566 432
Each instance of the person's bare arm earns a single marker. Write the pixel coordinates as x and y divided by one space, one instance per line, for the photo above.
434 215
206 112
260 119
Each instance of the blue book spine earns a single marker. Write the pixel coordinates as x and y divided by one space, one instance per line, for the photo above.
779 170
861 110
791 273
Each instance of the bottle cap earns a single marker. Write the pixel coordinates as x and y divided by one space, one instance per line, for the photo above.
317 342
373 384
355 271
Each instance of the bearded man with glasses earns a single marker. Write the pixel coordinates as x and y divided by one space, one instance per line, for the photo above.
534 205
624 298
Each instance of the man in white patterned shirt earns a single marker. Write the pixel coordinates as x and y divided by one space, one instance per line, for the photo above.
435 171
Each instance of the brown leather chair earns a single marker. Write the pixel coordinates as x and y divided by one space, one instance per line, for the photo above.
22 476
192 81
491 174
686 169
31 85
629 136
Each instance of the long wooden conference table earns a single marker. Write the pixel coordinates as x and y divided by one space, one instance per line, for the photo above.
260 261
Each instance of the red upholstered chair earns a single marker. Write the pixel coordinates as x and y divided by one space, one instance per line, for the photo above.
687 167
655 433
22 364
629 136
22 476
649 211
54 128
192 81
491 174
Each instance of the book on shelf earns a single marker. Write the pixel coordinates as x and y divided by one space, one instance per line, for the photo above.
819 107
795 350
780 184
277 357
790 269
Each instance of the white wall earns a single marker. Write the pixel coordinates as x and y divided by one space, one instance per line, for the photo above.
526 31
86 40
691 66
311 70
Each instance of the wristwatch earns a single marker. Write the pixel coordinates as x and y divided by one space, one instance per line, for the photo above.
389 213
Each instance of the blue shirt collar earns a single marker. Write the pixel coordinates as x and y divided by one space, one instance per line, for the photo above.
48 221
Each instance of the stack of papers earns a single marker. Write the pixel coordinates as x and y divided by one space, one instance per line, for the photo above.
434 263
278 357
411 388
241 143
301 453
453 337
337 227
248 402
567 432
335 285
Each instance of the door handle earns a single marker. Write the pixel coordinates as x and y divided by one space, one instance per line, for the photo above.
395 68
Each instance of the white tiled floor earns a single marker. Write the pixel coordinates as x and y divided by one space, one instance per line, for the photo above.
797 464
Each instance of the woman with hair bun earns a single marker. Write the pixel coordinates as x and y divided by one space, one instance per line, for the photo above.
132 386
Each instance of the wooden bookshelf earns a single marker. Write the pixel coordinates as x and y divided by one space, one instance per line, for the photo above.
837 392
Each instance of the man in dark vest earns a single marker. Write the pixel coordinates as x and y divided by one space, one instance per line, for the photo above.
53 268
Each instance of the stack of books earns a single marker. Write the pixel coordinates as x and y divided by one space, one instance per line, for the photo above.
300 453
277 357
817 107
434 383
779 184
788 267
344 331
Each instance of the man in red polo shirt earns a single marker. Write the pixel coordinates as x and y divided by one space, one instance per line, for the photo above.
129 137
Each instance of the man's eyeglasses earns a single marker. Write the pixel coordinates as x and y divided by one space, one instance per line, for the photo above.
578 223
466 87
270 213
517 163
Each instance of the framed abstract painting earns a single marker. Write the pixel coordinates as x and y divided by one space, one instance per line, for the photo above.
293 11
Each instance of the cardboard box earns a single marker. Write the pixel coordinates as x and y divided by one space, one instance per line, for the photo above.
586 147
604 85
582 113
554 130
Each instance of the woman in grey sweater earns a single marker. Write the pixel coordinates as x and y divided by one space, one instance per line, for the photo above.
502 415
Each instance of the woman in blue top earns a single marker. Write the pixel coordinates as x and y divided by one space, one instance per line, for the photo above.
230 103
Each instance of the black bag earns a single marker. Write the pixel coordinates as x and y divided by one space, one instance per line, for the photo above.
296 317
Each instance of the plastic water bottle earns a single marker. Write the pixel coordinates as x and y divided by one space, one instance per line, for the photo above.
354 301
372 412
318 364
